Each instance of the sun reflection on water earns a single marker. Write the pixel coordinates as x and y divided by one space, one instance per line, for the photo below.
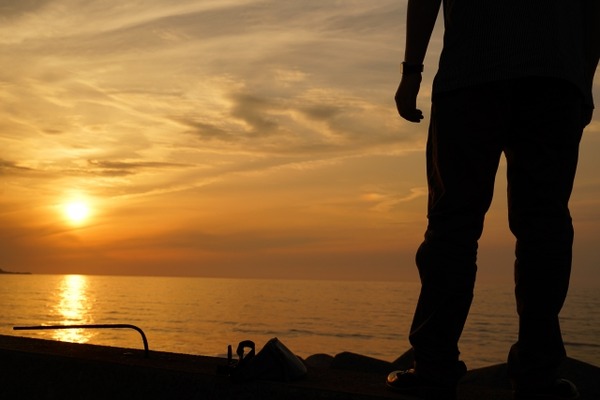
73 307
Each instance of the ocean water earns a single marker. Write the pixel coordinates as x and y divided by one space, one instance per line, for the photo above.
202 315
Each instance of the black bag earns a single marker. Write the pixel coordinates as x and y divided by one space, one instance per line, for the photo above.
274 362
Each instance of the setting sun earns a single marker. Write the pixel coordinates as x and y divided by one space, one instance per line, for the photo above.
77 212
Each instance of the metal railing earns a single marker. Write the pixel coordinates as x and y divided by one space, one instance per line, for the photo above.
89 326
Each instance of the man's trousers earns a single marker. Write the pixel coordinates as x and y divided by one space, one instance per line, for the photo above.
537 124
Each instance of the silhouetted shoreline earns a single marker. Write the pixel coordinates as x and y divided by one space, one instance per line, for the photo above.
13 273
43 369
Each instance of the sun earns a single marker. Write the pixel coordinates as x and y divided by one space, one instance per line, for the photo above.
76 212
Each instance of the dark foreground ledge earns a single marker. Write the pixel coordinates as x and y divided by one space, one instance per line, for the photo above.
42 369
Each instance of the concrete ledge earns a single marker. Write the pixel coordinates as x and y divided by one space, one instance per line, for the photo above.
42 369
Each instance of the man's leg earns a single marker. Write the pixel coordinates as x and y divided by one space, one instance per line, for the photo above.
542 157
463 152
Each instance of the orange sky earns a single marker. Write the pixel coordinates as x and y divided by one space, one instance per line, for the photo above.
226 138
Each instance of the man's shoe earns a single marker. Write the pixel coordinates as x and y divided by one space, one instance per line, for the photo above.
409 382
561 389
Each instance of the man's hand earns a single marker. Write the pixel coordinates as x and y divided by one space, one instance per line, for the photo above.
420 21
406 97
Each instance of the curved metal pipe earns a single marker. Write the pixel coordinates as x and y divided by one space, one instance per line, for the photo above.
89 326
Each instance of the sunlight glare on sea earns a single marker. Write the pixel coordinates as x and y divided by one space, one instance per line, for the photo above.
202 316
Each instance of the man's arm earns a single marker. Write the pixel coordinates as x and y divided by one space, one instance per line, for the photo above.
420 21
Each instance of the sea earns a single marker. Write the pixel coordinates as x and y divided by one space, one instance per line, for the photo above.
204 315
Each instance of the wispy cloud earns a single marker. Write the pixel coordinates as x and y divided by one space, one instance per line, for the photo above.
11 168
11 9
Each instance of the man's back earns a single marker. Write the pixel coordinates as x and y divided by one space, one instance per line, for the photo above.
490 40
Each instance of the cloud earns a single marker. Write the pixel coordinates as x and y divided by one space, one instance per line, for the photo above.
388 202
204 130
122 165
119 168
323 112
255 112
272 55
12 168
12 8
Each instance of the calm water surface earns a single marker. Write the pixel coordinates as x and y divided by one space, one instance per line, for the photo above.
203 316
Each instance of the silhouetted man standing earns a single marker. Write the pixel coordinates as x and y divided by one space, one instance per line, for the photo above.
514 77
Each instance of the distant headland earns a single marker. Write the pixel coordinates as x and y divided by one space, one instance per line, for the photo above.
14 273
